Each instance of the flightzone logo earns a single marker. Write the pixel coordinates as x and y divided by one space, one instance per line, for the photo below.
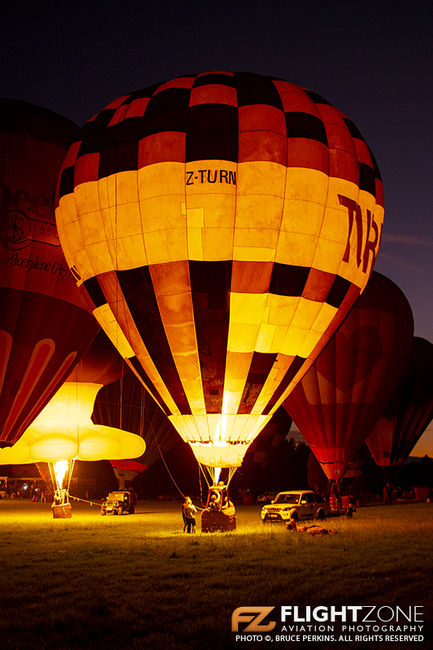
329 624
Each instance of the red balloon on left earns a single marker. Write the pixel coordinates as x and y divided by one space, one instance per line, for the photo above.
45 325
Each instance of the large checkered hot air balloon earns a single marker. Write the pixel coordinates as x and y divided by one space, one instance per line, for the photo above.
223 224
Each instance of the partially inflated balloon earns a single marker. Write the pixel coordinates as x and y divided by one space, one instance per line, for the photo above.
408 412
64 431
45 324
268 441
341 396
125 404
222 224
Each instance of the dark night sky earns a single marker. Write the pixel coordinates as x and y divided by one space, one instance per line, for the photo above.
371 59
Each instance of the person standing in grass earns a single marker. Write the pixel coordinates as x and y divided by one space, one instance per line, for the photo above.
184 515
189 512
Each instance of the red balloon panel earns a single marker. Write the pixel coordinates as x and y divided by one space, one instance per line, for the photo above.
341 396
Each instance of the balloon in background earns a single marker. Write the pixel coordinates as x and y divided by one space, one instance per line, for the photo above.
125 404
222 225
63 432
318 481
267 442
408 412
339 399
100 365
45 324
260 466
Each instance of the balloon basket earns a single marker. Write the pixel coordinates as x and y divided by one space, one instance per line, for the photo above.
62 511
213 521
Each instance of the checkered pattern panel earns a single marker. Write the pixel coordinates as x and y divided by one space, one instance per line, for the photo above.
230 221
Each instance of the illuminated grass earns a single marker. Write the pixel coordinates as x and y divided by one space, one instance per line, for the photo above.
138 581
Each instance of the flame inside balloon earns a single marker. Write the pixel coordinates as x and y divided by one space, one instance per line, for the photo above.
60 470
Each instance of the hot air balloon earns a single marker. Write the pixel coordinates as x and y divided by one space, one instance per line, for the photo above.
45 324
63 432
408 412
341 396
125 404
269 439
258 461
222 224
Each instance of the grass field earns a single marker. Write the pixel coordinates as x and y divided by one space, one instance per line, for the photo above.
138 582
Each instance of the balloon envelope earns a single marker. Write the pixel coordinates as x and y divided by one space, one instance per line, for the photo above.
222 224
341 396
101 364
45 324
64 431
408 412
125 404
268 441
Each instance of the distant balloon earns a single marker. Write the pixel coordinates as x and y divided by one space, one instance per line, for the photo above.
408 412
222 224
339 399
317 479
268 441
125 404
45 324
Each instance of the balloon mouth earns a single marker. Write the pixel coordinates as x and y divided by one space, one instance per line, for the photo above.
220 453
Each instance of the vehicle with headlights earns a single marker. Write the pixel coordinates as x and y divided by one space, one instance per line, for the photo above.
297 505
118 503
266 497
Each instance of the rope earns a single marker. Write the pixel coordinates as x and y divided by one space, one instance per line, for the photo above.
200 485
163 460
169 473
92 503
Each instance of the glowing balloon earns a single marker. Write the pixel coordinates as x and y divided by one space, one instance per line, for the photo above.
408 412
64 431
341 396
45 324
222 224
